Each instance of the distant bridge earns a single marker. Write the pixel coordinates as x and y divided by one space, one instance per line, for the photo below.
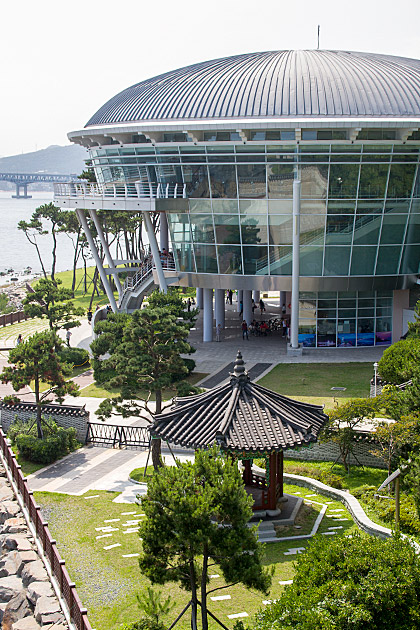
22 181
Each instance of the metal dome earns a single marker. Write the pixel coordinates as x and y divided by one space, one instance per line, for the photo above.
270 84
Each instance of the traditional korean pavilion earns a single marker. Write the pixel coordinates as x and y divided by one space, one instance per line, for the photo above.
247 421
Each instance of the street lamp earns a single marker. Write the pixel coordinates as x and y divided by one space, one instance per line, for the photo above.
375 367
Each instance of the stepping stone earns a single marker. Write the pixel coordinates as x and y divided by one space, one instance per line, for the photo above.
219 598
103 536
329 502
108 528
267 601
297 526
309 495
293 551
341 519
285 582
328 533
242 614
340 510
127 513
134 530
130 555
337 527
94 496
112 546
216 575
112 520
293 493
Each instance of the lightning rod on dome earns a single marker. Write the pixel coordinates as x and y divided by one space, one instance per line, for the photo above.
319 28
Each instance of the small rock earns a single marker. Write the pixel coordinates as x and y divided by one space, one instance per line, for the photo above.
8 509
14 541
37 590
59 626
6 493
28 556
15 525
17 608
28 623
48 619
34 572
11 564
9 587
45 607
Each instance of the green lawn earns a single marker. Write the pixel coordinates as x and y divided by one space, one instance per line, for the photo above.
107 582
355 479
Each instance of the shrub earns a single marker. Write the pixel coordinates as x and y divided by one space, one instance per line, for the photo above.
385 509
57 441
326 476
74 356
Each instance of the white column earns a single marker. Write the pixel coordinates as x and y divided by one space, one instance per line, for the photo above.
294 320
219 307
208 315
104 242
82 219
240 299
283 299
247 315
199 297
256 296
163 232
155 251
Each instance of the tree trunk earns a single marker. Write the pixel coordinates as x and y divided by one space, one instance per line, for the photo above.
193 597
204 619
38 410
54 253
156 444
75 259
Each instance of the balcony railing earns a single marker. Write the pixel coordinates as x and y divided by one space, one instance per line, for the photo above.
138 190
146 270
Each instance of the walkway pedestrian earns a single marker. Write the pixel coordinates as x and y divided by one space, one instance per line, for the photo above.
284 326
218 331
19 340
283 309
245 330
262 306
89 315
188 305
68 335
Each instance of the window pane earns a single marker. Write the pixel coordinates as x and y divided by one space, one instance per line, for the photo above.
183 255
205 258
342 207
373 181
366 229
281 261
256 261
363 261
223 181
343 181
202 228
227 228
413 230
411 259
251 181
393 228
388 260
401 180
310 261
326 333
252 206
179 227
312 230
280 181
339 230
280 206
229 259
314 181
254 229
313 207
336 261
280 229
196 180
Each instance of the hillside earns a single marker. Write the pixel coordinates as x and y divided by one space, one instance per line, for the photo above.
54 159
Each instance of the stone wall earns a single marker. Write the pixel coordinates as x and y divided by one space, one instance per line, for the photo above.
64 415
329 452
27 599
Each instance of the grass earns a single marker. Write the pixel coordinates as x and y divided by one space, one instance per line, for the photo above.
107 582
138 473
27 467
81 299
97 391
9 334
351 481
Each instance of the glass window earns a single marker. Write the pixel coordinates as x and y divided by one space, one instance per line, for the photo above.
339 229
252 206
336 262
196 180
388 260
307 309
342 207
393 228
314 181
312 229
346 333
223 181
251 181
363 261
326 333
281 261
222 206
397 207
254 229
310 261
183 255
280 181
410 263
202 228
280 229
346 312
373 181
227 228
413 230
230 260
280 206
365 332
383 324
343 181
256 261
313 207
179 227
199 205
205 258
400 182
370 207
366 229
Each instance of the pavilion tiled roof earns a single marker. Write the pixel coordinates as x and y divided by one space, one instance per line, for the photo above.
240 416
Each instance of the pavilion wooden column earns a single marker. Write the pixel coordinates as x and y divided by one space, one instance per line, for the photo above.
272 482
280 471
247 476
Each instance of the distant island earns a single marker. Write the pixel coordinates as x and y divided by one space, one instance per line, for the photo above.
53 159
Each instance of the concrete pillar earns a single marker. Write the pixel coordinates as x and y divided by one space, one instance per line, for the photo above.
208 315
163 233
219 307
155 251
294 320
240 299
104 242
256 296
199 297
247 315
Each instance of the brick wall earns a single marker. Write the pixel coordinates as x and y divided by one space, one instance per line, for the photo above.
329 452
64 415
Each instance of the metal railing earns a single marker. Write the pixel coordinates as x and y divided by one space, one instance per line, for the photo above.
138 190
117 436
78 613
145 272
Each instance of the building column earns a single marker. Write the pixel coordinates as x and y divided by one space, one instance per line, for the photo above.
104 242
272 482
256 295
208 315
83 222
219 307
294 319
400 302
283 299
155 251
199 297
163 232
240 299
247 314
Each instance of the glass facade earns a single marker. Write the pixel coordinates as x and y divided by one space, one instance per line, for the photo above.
345 319
360 209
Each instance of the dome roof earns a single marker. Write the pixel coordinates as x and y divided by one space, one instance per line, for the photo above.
273 84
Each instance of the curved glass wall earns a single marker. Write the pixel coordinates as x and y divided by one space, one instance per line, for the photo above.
360 210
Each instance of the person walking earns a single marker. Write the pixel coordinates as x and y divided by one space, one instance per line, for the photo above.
283 309
19 340
89 315
188 305
262 306
68 335
284 326
245 330
218 331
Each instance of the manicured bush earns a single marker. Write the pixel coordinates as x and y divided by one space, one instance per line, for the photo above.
385 508
75 356
57 440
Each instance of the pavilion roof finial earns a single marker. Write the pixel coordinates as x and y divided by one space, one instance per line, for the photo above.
239 375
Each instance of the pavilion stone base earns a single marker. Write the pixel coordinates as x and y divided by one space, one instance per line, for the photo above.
285 515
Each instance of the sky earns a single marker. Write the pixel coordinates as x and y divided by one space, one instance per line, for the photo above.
61 60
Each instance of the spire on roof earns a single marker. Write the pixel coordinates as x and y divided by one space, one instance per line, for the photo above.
239 376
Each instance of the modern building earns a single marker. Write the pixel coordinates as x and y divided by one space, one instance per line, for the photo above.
290 171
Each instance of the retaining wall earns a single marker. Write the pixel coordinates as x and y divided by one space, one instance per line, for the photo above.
329 452
64 415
